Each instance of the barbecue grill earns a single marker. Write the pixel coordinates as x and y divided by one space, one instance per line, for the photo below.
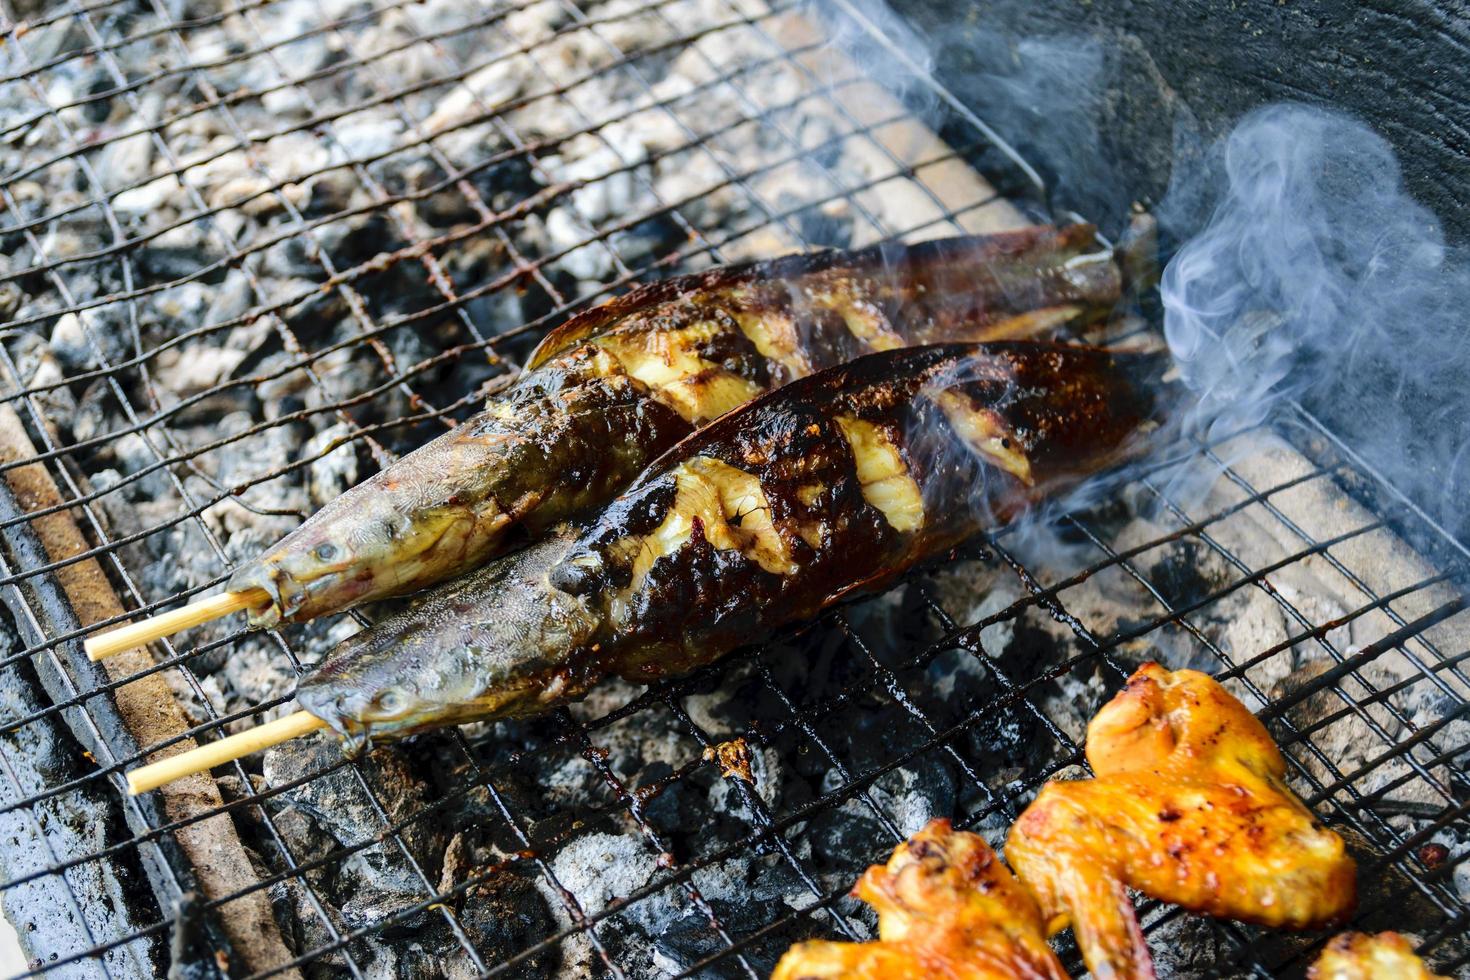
253 250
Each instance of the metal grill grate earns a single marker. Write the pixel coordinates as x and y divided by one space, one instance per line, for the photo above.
255 249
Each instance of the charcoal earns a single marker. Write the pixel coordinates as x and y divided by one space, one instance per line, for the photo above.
10 295
649 239
585 263
482 257
504 915
306 840
70 345
1180 574
92 412
378 892
687 940
844 838
505 181
317 312
822 227
231 300
1190 946
195 368
367 139
330 193
340 802
293 257
446 209
126 160
304 927
103 336
600 867
690 938
336 469
356 239
175 262
668 810
915 794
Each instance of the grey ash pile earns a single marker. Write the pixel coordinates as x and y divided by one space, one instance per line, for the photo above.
252 251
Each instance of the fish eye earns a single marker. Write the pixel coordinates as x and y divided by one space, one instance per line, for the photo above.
325 551
577 576
389 701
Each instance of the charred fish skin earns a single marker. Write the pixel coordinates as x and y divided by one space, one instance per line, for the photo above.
833 485
974 288
841 482
619 384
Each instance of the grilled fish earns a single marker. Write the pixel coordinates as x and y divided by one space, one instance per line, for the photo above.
1189 806
830 486
947 907
614 387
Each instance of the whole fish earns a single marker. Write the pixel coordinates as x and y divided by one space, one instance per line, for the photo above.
612 388
830 486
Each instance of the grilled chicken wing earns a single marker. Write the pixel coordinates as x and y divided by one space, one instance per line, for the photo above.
947 907
1357 956
619 384
834 484
1188 806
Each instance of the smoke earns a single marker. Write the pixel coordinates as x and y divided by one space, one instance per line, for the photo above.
1045 96
872 37
1317 277
1306 272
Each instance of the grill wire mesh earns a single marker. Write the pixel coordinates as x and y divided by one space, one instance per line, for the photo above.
255 250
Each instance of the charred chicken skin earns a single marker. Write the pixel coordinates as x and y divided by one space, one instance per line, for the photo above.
835 484
1189 806
613 388
1358 956
947 907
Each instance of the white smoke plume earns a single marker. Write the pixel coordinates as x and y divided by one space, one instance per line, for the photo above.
1318 277
1304 268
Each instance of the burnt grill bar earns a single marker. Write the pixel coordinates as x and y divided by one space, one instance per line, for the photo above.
869 669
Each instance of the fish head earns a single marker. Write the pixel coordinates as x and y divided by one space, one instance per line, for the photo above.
335 560
399 531
499 643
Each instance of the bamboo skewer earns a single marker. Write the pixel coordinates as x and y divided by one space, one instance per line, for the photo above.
206 757
153 628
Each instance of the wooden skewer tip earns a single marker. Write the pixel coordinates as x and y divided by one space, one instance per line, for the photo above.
206 757
145 631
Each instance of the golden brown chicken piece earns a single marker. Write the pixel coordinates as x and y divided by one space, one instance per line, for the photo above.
1358 956
1189 806
947 907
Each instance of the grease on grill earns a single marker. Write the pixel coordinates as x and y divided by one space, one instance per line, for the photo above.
733 758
